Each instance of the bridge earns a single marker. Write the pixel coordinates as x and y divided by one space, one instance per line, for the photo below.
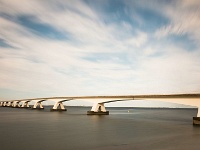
98 107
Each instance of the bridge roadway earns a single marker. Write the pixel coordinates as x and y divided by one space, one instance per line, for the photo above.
98 107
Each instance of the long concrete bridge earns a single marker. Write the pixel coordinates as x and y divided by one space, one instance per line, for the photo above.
99 101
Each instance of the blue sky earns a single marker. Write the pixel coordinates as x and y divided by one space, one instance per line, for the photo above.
98 47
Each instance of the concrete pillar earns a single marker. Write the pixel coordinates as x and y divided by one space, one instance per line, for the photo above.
9 104
196 120
25 104
1 103
98 109
38 105
198 113
56 105
13 104
16 104
5 104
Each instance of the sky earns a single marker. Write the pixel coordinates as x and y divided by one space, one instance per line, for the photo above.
98 47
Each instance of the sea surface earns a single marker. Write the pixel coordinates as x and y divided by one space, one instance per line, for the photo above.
124 129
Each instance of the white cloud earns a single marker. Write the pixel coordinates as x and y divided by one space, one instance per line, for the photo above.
138 40
184 19
46 67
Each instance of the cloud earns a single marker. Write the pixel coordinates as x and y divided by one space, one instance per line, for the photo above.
184 19
59 48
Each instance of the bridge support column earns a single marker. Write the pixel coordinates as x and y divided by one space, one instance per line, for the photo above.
5 104
98 109
196 120
38 103
16 104
9 104
1 103
56 105
25 104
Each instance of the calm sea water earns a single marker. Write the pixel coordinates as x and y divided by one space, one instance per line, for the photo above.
138 129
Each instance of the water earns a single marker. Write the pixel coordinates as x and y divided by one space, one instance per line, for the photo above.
138 129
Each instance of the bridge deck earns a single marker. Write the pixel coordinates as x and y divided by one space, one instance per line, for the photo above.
118 97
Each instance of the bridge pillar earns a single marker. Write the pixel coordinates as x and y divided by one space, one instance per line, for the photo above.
98 109
5 104
9 104
56 105
25 104
196 120
16 104
38 103
1 103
